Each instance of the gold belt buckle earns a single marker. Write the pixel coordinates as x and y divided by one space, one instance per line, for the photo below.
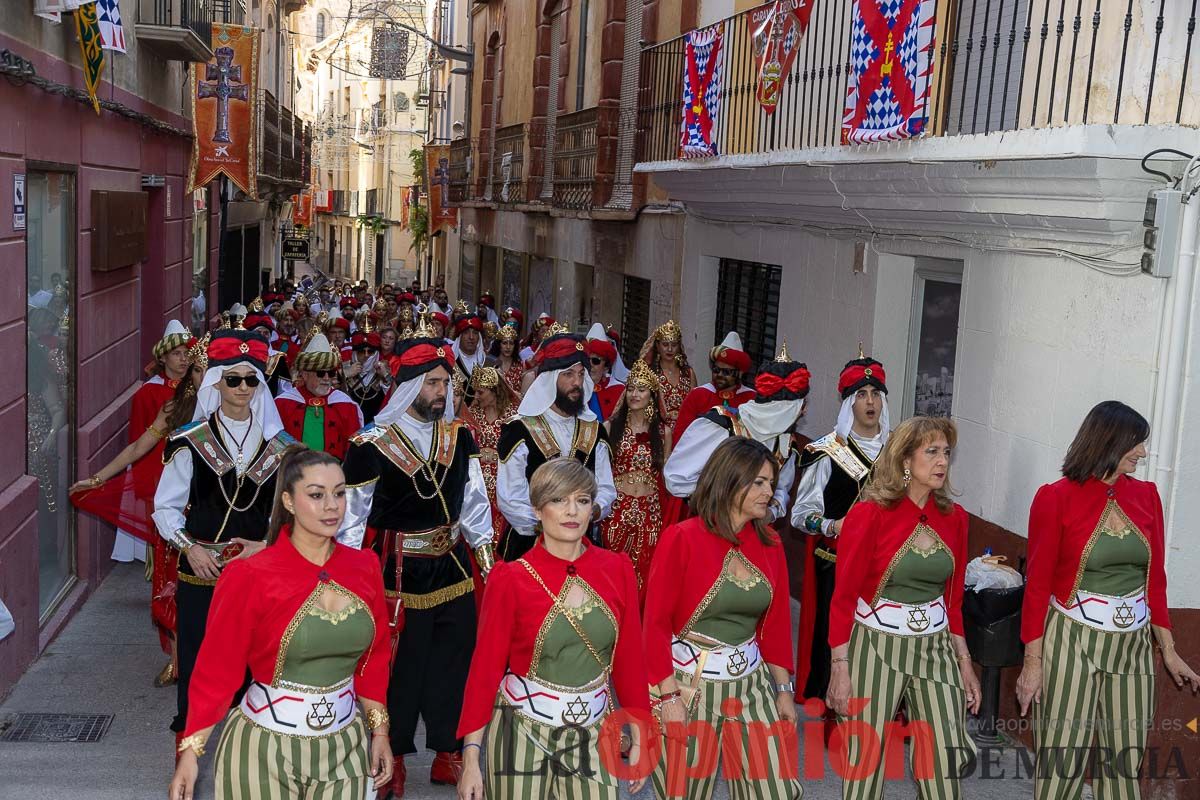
322 715
918 620
737 662
440 541
1123 616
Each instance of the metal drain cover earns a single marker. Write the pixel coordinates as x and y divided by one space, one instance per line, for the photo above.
52 728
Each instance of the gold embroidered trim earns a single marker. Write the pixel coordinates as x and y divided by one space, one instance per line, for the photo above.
194 581
302 687
723 576
1110 507
305 609
334 617
544 629
438 597
910 544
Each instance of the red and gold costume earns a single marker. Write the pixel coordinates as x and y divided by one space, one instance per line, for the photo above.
557 639
487 435
635 522
290 735
513 375
335 415
673 394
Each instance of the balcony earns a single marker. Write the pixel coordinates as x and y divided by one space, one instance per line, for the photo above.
584 155
177 30
1004 65
508 165
229 12
284 145
461 186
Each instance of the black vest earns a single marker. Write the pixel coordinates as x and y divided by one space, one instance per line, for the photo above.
209 516
538 437
728 419
841 491
406 496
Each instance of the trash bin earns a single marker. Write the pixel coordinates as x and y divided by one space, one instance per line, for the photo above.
992 623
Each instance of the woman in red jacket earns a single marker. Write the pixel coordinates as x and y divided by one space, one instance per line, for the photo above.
719 636
307 617
559 636
895 621
1096 558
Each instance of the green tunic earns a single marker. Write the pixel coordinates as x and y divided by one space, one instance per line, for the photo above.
920 576
254 763
733 613
561 657
1117 563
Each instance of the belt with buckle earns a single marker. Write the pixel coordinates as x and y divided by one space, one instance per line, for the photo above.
556 706
301 710
903 619
429 543
724 663
1106 613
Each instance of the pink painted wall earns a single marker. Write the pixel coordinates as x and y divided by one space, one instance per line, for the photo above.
118 315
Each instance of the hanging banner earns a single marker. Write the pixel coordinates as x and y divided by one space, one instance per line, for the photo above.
775 31
701 92
405 199
112 32
88 28
302 209
891 58
437 168
224 102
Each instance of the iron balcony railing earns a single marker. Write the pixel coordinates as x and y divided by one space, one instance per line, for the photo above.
584 144
461 159
998 65
284 143
508 165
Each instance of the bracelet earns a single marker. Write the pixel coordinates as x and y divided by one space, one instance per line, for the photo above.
156 433
842 660
1031 657
662 698
378 718
195 742
964 656
472 744
180 540
95 481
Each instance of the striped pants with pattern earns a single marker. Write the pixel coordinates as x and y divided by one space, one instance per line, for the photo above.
527 760
733 725
1097 701
922 671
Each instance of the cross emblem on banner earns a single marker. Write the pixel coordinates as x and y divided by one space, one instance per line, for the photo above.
223 75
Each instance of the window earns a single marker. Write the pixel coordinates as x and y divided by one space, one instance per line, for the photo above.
50 356
748 302
321 21
933 337
635 322
512 280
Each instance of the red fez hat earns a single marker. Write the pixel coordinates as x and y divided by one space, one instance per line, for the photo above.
442 318
859 373
559 352
406 297
601 349
469 321
231 347
348 302
341 322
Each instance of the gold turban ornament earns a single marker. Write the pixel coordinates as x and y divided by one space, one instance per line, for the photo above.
485 378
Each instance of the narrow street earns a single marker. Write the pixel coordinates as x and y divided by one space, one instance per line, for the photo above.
105 662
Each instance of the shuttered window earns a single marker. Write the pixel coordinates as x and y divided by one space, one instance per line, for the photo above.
748 302
635 325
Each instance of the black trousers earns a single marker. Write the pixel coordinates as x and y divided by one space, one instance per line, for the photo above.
433 657
192 604
818 673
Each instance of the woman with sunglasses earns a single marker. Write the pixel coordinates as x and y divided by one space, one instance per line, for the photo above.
312 410
213 502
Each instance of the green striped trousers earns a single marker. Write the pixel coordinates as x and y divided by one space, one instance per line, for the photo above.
733 726
1097 688
254 763
923 672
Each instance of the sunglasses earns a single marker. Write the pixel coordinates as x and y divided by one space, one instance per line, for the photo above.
371 350
727 371
596 361
325 373
234 381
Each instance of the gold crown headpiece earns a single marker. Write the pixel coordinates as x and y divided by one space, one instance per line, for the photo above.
461 307
485 378
256 305
198 352
423 330
669 331
642 377
555 330
507 333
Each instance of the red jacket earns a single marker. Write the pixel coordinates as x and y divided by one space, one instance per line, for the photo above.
343 417
871 537
701 399
687 563
256 600
515 607
607 393
1064 521
147 401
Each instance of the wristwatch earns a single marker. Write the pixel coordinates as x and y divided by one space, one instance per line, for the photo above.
789 687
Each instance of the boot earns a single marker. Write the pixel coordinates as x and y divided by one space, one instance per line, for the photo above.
395 789
447 769
167 677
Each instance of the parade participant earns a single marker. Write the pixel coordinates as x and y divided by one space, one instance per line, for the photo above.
169 367
307 618
718 630
607 390
405 304
348 307
513 316
214 498
641 444
494 404
125 499
559 635
1095 603
468 344
539 331
440 323
728 363
257 321
288 342
339 333
895 621
508 360
835 467
663 353
388 337
779 403
487 308
441 302
415 479
553 421
367 379
619 370
312 410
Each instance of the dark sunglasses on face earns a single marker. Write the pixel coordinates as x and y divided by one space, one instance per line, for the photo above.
727 371
596 361
324 373
234 381
371 350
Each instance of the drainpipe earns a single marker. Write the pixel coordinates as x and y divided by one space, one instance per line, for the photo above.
1174 365
581 64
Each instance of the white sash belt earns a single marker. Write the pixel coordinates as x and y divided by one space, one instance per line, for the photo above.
720 664
1105 613
555 706
300 713
903 619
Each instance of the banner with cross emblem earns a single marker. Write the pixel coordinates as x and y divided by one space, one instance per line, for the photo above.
891 70
701 93
224 110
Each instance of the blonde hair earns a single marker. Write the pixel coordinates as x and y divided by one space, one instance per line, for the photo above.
887 486
560 478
